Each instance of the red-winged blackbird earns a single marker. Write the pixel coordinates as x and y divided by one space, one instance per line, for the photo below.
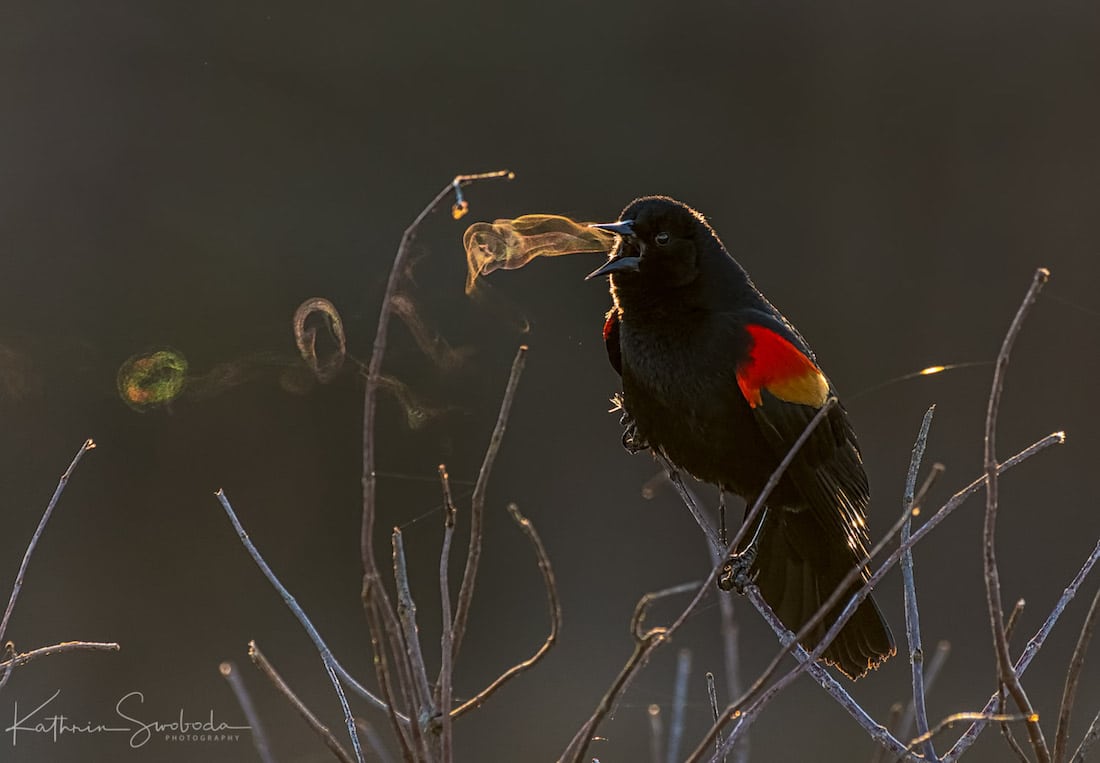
722 384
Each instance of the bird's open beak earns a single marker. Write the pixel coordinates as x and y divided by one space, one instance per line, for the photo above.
621 263
623 227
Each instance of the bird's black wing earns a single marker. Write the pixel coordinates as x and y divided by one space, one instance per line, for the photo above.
785 389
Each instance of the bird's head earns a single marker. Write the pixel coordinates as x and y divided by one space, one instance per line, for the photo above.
660 241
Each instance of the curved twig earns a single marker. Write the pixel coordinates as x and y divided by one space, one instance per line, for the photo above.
1005 671
553 604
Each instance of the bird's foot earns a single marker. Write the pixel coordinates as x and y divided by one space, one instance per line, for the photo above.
632 440
736 572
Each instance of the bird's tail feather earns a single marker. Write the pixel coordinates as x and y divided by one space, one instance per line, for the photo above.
798 566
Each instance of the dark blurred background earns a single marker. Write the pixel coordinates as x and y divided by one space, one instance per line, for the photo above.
184 174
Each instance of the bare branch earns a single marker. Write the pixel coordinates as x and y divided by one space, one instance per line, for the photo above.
1005 671
644 643
712 695
444 686
1030 650
374 740
244 699
399 723
322 648
1073 675
893 720
18 585
912 614
713 536
931 673
406 613
1014 617
951 720
953 503
653 638
22 658
314 723
372 590
553 604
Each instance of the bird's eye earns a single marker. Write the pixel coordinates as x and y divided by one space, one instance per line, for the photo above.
661 238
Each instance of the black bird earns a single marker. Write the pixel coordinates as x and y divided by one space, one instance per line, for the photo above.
722 384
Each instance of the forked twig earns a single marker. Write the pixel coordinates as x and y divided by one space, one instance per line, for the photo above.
792 644
307 715
953 503
1030 650
376 601
932 670
553 604
1005 671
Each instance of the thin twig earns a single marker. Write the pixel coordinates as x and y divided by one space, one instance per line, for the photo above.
445 684
406 613
713 536
1014 617
1091 736
951 720
1005 671
893 721
679 705
374 740
655 637
1030 650
22 658
322 648
644 643
18 585
477 503
808 662
307 715
244 699
931 673
912 614
553 604
1073 675
712 695
400 724
374 594
731 653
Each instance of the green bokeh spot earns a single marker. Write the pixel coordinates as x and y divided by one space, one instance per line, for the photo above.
152 379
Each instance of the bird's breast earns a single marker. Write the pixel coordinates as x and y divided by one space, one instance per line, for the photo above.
680 387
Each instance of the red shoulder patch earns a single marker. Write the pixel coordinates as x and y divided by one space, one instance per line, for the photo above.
778 366
611 340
